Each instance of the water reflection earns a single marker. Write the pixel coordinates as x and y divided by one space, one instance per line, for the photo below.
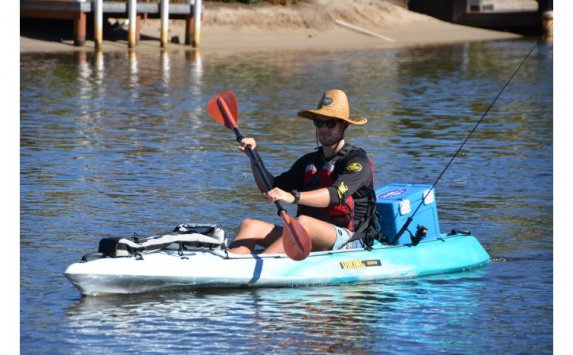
99 65
83 67
165 68
196 71
133 62
353 318
84 79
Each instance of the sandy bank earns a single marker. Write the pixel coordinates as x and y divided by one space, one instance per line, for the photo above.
312 24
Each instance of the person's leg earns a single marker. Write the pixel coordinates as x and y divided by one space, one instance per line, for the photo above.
322 234
343 235
253 232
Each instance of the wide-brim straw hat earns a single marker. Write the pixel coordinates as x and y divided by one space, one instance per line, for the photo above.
333 105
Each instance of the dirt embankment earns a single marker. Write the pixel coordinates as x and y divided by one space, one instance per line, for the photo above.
317 15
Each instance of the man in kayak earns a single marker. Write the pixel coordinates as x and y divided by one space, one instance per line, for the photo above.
333 187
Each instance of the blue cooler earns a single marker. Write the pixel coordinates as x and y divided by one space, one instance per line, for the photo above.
396 202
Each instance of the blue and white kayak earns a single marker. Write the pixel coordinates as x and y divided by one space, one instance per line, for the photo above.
172 269
195 256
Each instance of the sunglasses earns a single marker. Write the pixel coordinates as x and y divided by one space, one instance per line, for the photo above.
327 123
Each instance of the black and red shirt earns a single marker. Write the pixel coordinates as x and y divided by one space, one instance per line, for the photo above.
351 176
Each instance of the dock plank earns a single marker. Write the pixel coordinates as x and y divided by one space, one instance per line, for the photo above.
77 10
108 6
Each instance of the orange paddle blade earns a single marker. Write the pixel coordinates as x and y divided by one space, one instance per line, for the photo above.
216 105
296 242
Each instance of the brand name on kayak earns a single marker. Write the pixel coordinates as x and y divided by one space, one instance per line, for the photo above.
359 264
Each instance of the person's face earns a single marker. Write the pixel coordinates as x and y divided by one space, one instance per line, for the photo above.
329 132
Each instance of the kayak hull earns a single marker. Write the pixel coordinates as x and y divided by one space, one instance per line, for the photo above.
167 269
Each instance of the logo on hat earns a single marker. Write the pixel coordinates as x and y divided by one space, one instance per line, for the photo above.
326 101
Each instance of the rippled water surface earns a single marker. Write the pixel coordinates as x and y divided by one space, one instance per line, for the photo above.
120 143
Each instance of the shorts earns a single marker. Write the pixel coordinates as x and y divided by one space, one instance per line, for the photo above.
342 236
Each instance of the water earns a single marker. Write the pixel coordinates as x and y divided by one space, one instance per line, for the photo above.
116 143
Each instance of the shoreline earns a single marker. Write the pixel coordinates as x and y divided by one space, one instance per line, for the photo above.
263 27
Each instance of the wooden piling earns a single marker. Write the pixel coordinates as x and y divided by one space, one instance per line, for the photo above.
132 29
547 23
79 28
98 23
196 23
164 23
188 30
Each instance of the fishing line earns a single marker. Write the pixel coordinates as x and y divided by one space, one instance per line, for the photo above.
409 220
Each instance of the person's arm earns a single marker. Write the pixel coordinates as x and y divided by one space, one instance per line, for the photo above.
250 142
314 198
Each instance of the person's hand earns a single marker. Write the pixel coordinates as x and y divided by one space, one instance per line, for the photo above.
247 142
279 195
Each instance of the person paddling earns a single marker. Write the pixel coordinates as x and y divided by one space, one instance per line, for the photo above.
333 187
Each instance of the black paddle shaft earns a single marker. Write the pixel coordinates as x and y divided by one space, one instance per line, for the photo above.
252 156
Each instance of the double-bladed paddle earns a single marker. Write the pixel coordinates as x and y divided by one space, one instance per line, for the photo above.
223 108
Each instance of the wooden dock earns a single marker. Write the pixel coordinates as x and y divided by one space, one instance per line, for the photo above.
82 12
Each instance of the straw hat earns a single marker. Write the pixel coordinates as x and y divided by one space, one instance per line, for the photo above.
333 105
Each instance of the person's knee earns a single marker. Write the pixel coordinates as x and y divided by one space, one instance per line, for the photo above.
248 224
304 220
322 233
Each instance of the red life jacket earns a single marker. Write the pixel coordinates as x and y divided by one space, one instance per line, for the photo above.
342 214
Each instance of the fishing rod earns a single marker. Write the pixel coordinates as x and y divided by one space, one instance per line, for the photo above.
421 232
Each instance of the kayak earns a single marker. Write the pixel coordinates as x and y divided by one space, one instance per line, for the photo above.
195 256
167 269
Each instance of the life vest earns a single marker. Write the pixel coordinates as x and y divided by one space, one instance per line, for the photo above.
367 228
342 214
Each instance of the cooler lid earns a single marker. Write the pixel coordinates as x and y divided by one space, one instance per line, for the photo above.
397 192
